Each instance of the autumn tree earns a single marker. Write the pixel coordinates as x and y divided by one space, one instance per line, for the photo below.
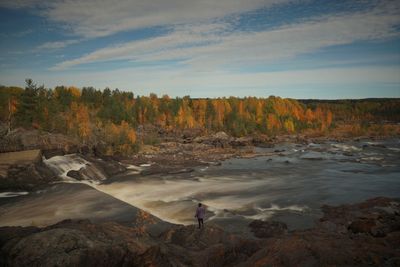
8 104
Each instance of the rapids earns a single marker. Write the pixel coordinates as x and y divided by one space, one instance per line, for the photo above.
289 185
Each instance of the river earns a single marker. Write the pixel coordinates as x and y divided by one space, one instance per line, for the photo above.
290 184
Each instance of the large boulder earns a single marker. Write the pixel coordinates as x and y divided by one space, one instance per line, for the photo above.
21 139
75 243
23 170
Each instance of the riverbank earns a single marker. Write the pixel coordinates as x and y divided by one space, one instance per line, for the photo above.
362 234
263 202
181 154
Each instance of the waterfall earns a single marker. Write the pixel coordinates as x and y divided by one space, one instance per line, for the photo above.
61 165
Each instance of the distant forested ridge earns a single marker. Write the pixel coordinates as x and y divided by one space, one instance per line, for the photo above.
114 116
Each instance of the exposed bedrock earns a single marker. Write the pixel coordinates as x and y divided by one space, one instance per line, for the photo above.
361 234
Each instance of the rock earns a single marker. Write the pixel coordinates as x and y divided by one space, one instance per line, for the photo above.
242 141
266 229
24 170
71 148
10 232
362 226
348 154
221 136
82 243
84 150
265 145
21 139
75 244
376 217
184 170
3 129
75 174
217 140
49 153
106 164
262 141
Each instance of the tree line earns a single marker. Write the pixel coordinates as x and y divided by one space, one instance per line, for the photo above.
114 116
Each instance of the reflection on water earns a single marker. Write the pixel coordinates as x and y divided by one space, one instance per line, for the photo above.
290 184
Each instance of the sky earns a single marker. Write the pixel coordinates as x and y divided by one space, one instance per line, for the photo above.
205 48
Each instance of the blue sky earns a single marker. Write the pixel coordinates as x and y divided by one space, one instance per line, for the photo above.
289 48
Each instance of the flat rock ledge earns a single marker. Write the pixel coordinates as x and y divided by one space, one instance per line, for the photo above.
363 234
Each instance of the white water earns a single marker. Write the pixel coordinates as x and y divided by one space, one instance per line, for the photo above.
63 164
256 188
174 200
12 194
72 162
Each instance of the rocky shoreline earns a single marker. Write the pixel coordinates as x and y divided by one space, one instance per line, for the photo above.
169 157
362 234
174 155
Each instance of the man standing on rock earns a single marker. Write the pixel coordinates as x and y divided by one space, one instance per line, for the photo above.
200 212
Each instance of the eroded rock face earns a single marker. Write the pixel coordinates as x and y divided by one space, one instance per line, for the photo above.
21 139
81 243
77 243
362 234
376 217
344 237
23 170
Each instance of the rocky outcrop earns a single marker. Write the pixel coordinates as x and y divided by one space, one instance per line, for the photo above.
362 234
218 140
23 170
339 239
223 140
79 243
376 217
82 243
21 139
108 165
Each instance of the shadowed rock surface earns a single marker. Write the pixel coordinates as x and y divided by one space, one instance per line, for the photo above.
23 170
349 235
21 139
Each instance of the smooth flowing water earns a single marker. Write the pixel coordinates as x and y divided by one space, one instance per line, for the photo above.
290 184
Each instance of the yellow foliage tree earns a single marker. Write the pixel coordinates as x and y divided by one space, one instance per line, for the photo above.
289 125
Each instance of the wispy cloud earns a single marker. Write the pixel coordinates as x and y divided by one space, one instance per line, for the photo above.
57 44
215 48
93 18
215 45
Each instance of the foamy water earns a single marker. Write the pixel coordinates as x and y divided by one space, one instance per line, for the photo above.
13 194
72 162
293 182
288 185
